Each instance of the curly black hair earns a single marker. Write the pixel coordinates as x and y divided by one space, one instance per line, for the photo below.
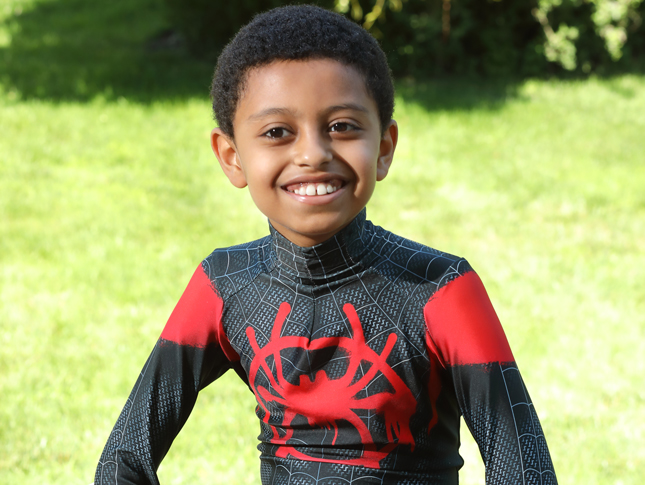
299 32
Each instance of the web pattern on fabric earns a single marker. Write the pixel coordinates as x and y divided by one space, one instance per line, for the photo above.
535 458
402 276
387 280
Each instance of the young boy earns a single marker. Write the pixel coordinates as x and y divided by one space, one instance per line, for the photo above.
363 349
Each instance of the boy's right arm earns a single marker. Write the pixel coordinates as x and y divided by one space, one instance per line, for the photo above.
191 353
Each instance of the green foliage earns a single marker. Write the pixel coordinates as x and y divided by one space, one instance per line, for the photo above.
509 36
464 37
429 37
613 19
208 25
559 45
605 25
355 9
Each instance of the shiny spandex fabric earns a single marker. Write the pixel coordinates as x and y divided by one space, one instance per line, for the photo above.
362 353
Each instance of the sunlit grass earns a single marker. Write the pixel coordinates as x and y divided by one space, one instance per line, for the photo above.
109 200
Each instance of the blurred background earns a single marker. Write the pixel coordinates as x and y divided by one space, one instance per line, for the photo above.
522 148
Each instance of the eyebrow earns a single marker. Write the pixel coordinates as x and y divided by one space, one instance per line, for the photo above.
269 112
287 111
347 106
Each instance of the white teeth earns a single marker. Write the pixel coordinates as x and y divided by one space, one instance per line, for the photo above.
311 189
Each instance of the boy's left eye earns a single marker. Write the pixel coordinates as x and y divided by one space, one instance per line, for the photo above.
341 127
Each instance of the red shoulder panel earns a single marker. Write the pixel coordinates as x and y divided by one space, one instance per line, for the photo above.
463 325
197 319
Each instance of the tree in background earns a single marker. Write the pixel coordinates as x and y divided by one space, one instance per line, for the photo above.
613 20
428 37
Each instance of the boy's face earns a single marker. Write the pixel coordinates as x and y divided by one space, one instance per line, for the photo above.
308 144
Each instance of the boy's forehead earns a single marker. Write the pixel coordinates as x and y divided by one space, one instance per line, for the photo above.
293 84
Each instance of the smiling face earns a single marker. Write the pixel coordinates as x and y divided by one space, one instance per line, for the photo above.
308 144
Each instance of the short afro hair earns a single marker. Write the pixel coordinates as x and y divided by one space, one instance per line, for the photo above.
299 32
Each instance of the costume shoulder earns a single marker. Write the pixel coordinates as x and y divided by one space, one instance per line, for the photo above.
462 325
233 268
412 264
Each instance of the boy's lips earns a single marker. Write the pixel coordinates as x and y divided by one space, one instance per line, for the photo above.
314 187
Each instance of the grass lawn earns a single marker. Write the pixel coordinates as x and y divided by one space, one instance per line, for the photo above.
110 197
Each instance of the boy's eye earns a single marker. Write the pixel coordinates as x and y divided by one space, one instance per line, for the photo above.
341 127
276 133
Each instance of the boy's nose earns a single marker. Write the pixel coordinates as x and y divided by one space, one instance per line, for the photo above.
312 149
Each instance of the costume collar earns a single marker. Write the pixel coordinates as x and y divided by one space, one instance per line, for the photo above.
340 256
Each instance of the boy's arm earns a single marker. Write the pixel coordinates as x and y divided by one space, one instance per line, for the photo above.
466 334
191 353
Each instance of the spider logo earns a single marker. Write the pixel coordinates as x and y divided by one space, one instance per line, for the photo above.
323 402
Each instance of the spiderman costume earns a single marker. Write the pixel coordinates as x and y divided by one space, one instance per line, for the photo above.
362 353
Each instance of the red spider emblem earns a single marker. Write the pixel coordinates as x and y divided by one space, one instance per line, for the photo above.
323 402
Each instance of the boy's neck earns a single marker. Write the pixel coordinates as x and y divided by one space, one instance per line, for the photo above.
331 258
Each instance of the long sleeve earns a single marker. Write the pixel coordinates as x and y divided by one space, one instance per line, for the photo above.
491 395
191 352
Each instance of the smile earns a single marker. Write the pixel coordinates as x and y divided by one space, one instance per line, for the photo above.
314 188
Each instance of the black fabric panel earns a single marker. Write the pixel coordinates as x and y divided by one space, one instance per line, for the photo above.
500 414
159 405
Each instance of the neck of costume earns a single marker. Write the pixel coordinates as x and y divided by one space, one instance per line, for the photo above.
362 353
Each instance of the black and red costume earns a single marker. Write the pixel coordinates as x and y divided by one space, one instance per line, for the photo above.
362 353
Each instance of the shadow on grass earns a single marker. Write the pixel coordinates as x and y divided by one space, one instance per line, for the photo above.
77 50
450 94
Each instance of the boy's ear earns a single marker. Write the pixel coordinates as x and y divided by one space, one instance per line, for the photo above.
226 152
386 150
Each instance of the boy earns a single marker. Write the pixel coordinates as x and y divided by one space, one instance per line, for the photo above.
362 348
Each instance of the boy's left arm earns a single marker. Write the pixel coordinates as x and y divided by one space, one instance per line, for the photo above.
466 333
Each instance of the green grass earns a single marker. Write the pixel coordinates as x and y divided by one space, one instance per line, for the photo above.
110 197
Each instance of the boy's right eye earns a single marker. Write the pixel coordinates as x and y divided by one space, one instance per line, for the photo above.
276 133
